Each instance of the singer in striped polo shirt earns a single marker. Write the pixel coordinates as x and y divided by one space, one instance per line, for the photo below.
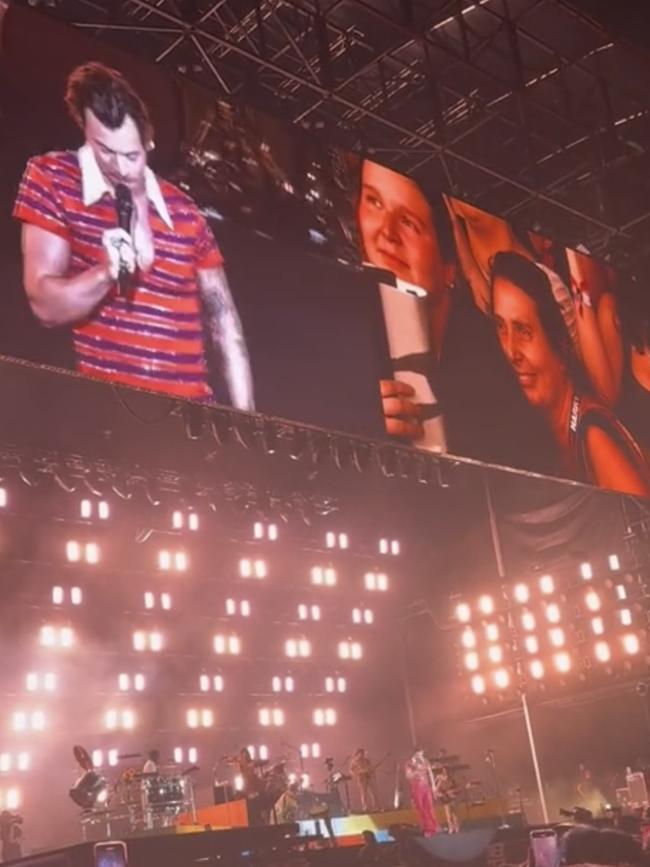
177 324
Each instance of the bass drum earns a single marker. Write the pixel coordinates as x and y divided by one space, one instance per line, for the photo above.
163 792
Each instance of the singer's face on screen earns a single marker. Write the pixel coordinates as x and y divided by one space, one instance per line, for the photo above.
120 153
540 371
397 229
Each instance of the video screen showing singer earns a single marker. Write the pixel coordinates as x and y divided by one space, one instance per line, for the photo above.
126 259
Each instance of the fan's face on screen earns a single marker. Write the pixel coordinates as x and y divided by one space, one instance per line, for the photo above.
396 227
120 153
539 370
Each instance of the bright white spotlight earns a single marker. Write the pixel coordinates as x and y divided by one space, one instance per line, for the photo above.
76 595
631 643
557 637
486 604
528 621
472 661
547 585
536 669
625 616
57 595
495 654
501 678
463 612
553 613
73 551
531 644
621 592
521 593
592 600
468 638
597 626
586 571
602 651
562 662
478 684
492 632
92 552
192 755
614 562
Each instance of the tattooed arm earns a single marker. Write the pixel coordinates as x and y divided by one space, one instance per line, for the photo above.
225 336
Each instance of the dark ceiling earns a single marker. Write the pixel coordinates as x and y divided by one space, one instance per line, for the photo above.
527 107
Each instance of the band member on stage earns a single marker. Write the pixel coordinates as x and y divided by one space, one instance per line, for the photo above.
446 793
251 784
363 771
148 301
420 779
152 765
285 808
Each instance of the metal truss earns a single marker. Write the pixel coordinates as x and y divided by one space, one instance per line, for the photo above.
526 107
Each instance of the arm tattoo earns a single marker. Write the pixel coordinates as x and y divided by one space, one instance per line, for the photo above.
226 337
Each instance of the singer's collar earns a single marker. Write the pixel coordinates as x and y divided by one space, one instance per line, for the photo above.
94 185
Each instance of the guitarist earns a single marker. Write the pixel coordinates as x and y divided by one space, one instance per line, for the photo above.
363 770
446 793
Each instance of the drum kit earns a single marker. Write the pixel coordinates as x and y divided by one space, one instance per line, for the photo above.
134 801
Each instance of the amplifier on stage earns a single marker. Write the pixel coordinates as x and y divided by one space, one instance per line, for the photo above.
637 788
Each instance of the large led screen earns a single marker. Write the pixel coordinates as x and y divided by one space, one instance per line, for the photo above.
165 239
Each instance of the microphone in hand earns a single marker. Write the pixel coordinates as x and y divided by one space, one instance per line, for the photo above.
124 210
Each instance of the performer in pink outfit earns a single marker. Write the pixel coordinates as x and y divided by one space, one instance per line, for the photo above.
420 778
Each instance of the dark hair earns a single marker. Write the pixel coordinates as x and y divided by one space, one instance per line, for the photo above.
109 96
584 844
154 755
532 280
635 314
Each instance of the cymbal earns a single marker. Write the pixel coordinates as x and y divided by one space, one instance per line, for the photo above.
82 757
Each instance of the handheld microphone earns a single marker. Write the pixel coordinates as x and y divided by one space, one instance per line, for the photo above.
124 209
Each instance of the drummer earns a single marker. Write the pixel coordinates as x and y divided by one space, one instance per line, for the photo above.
152 765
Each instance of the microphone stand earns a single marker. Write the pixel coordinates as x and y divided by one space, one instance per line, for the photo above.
490 758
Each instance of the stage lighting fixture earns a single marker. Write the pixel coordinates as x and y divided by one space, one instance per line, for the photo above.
389 546
73 551
178 755
472 660
164 560
92 553
87 792
308 612
124 682
614 562
625 616
165 601
113 758
178 519
149 600
562 662
13 799
86 509
495 654
139 682
23 761
155 641
621 592
597 625
66 637
592 600
252 568
97 758
557 637
528 621
463 612
547 585
468 638
553 613
76 596
192 718
478 684
227 644
3 498
631 643
501 678
536 669
531 644
324 716
57 595
491 631
5 763
602 651
297 648
376 581
586 571
193 521
486 605
521 593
